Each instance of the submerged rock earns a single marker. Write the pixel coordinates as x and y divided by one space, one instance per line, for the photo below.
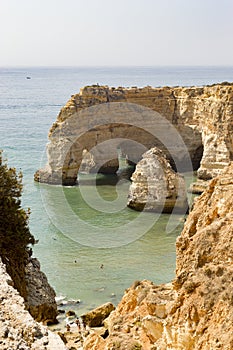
155 186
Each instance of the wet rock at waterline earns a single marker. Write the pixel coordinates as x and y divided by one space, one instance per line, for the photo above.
155 186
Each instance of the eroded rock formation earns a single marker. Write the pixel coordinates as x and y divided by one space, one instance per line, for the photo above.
18 330
195 312
155 185
87 162
40 300
203 116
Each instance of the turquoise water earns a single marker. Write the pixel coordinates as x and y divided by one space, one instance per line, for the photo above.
76 239
69 251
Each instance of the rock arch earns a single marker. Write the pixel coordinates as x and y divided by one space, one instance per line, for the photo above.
105 116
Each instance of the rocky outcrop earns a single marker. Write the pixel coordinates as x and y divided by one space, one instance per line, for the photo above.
195 312
155 185
40 300
199 186
202 116
84 329
18 330
138 320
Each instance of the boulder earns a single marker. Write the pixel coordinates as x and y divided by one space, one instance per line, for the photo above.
155 185
95 318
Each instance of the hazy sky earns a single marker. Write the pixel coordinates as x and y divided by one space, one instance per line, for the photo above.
119 32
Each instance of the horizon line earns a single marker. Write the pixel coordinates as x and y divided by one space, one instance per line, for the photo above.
119 66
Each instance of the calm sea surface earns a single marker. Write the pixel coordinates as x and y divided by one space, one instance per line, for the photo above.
77 269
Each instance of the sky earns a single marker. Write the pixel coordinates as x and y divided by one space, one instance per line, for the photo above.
116 33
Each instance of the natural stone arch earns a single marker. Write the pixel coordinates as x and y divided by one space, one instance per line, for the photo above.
91 128
132 141
201 115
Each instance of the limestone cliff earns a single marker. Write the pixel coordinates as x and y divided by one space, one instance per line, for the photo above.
40 300
202 116
18 330
195 312
156 186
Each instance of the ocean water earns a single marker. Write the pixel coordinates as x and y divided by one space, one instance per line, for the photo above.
81 268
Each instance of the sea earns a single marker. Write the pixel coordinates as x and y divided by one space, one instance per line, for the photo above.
84 272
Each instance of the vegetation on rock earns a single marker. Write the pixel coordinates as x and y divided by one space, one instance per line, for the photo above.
15 236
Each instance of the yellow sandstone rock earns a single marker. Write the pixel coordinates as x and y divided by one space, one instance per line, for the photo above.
202 116
195 312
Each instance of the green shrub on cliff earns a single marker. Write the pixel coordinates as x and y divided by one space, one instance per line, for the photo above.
15 236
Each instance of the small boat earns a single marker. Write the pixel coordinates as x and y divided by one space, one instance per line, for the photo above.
28 77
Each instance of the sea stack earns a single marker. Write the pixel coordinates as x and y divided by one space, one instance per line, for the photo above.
156 186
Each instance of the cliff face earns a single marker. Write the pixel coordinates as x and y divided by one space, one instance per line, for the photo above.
204 270
203 116
40 300
39 296
195 312
212 111
18 330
